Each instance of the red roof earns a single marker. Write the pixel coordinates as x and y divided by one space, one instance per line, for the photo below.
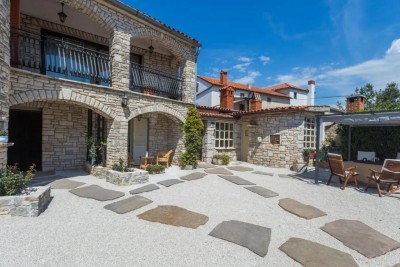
217 82
282 86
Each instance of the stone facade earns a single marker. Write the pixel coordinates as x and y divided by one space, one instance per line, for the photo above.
127 178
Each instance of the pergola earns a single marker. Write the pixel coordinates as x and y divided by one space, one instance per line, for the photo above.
361 119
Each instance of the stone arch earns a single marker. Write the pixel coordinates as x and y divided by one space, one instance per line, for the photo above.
62 95
157 108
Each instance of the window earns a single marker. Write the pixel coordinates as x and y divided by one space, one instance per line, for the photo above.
241 106
269 99
275 139
295 95
223 135
309 132
242 95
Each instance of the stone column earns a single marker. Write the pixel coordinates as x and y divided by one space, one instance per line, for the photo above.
189 80
208 143
117 141
120 53
4 72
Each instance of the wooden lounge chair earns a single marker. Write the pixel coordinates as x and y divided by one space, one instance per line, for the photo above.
337 169
163 157
389 174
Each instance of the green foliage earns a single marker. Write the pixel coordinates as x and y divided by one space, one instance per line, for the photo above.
386 99
155 168
120 166
370 95
91 146
192 129
3 133
12 180
224 157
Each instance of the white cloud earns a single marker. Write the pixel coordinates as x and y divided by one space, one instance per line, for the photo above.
249 78
245 59
242 67
264 59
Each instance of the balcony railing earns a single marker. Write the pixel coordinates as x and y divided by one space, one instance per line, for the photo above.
154 82
57 57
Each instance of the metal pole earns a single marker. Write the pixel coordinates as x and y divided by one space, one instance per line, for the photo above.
349 145
318 134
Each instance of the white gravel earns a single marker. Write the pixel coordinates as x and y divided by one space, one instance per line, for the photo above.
75 231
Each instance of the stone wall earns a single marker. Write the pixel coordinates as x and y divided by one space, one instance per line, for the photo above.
4 71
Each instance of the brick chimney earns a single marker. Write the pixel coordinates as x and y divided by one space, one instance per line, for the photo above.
311 93
355 103
255 102
224 77
226 97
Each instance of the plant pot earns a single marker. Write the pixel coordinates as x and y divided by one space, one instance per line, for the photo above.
4 139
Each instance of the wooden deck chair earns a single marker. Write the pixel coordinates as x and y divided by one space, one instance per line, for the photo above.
337 169
164 157
389 174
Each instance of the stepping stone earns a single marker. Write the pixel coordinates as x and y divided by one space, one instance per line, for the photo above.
311 254
96 192
146 188
285 176
193 176
396 265
168 183
263 173
219 170
361 237
240 168
129 204
175 216
299 209
205 165
264 192
65 184
254 237
236 180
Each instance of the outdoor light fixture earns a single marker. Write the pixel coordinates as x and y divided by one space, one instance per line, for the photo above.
151 48
124 102
139 118
61 14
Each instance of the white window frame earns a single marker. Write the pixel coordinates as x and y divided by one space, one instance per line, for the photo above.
224 137
309 132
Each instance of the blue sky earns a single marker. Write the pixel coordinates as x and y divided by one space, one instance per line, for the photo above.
341 44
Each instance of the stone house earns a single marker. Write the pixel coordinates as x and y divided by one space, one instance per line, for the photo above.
281 95
78 68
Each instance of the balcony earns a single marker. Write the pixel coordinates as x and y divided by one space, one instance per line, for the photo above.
60 57
154 82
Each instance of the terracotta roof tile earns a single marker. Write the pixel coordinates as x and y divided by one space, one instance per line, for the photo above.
215 81
218 115
284 86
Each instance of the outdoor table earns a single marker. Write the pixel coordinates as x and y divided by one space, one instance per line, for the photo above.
145 161
363 169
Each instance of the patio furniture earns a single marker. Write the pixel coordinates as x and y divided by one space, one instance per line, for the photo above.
131 161
337 169
145 161
163 157
389 174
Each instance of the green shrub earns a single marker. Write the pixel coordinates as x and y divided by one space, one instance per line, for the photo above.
224 157
155 168
3 133
12 179
120 166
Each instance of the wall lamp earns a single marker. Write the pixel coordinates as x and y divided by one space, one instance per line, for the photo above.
61 14
125 101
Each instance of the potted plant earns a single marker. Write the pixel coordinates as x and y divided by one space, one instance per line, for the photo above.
306 154
221 159
3 136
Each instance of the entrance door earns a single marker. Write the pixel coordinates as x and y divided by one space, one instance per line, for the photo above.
138 138
244 140
25 131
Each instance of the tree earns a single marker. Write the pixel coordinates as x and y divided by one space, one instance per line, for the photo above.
370 95
389 98
192 129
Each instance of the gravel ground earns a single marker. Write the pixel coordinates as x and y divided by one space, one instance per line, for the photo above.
75 231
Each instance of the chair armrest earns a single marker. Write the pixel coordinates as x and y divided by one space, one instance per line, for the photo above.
374 172
350 168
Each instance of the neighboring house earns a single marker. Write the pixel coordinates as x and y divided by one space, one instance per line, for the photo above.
282 95
104 69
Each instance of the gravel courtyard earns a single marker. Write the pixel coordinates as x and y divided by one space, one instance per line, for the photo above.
76 231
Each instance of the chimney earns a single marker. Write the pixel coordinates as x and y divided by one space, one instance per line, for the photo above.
224 77
311 93
255 102
355 103
226 97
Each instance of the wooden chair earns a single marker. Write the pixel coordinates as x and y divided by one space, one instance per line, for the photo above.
131 161
389 174
337 169
163 157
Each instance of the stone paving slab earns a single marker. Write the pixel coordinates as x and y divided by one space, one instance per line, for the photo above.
299 209
175 216
204 165
311 254
396 265
65 184
263 173
96 192
236 180
264 192
240 168
361 237
194 176
219 170
146 188
254 237
170 182
129 204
